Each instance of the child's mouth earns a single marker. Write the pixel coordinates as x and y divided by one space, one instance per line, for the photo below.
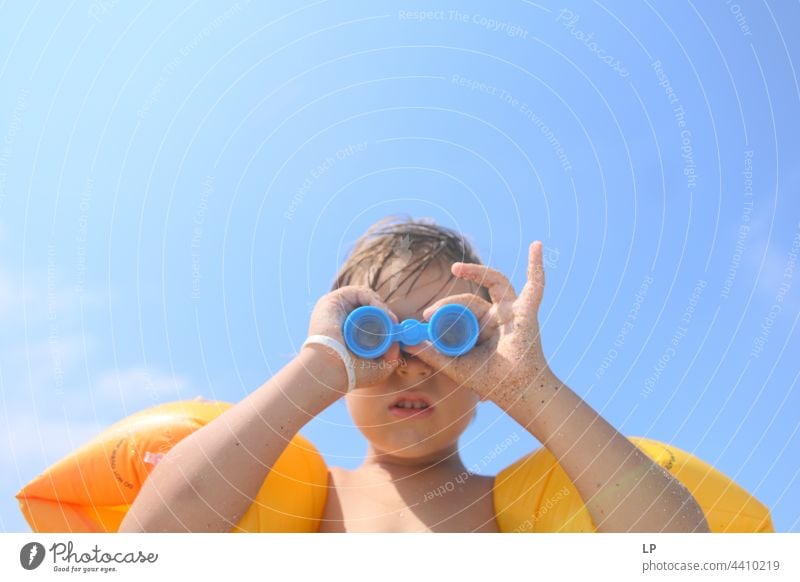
411 406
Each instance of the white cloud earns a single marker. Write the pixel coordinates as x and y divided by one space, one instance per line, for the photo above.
43 299
12 297
64 351
46 373
773 275
36 442
138 388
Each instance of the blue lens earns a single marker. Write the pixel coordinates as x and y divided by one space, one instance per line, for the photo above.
368 332
454 329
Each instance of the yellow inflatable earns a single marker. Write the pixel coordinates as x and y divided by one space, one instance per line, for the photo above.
91 489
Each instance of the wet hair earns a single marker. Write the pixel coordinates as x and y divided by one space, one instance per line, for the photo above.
416 242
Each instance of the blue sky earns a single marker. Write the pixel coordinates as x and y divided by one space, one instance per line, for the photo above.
178 186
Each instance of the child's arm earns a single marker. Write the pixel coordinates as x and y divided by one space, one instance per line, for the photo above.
624 489
208 480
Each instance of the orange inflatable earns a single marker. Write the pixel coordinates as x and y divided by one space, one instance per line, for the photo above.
535 494
91 489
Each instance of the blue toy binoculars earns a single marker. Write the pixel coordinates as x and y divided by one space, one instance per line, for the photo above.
369 331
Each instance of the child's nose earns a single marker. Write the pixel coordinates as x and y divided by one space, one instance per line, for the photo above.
412 367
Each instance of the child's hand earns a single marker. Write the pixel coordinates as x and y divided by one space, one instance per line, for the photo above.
508 356
329 316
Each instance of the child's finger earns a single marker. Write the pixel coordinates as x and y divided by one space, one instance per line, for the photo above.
500 288
357 295
478 305
533 291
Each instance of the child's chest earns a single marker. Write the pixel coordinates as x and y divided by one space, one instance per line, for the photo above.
355 505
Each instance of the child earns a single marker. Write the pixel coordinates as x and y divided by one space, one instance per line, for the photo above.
412 406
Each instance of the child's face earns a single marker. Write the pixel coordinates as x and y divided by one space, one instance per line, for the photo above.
407 433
